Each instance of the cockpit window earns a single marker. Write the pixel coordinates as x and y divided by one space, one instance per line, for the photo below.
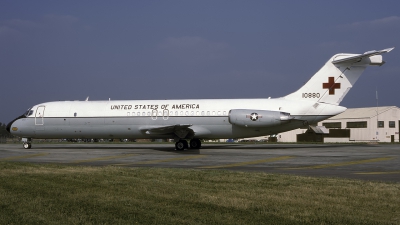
29 112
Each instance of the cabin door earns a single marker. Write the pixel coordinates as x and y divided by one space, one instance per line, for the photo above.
39 115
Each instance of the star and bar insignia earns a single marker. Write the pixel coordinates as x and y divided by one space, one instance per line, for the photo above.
253 116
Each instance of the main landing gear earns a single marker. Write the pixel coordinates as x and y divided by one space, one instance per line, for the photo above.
183 144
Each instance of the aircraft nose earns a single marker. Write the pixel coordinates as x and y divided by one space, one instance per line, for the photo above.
8 127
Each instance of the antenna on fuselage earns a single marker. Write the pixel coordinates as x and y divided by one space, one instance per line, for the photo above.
87 98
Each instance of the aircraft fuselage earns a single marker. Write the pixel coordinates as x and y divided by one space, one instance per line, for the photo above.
131 119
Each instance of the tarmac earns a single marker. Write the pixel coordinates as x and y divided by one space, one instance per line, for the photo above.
375 162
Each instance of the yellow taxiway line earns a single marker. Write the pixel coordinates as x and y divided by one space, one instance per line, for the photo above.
23 156
248 162
342 163
379 173
172 159
163 160
104 158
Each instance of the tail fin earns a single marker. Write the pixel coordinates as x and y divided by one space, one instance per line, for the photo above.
334 80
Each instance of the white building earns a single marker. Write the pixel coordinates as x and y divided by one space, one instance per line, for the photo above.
375 124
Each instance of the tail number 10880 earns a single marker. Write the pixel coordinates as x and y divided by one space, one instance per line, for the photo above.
310 95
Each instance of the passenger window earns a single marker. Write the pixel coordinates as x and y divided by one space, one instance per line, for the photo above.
208 113
219 113
224 113
181 113
202 113
176 113
197 113
213 113
143 113
187 113
129 113
148 113
192 113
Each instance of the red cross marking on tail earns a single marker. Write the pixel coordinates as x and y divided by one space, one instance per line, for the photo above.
331 85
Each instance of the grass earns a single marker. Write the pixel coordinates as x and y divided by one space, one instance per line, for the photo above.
60 194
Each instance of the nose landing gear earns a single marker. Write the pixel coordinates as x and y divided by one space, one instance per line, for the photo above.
26 143
183 144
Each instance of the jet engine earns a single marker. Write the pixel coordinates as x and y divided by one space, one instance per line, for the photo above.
258 118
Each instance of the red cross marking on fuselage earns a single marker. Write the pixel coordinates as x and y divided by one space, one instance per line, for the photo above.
331 85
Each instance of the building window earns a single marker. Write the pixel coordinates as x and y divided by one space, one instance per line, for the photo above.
360 124
392 124
332 125
381 124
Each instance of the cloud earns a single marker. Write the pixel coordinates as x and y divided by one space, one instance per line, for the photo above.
14 27
5 31
193 50
191 43
45 23
19 24
59 20
391 21
386 20
334 44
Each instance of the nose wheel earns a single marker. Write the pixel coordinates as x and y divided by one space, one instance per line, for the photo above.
27 145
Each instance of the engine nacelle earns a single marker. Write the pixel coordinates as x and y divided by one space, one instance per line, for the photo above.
258 118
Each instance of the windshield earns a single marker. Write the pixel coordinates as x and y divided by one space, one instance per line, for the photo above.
29 112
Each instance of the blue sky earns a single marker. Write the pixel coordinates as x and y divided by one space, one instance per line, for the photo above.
68 50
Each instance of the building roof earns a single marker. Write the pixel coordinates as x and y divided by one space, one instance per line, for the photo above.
362 112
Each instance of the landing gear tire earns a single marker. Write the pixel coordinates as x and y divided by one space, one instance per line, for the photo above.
195 143
181 145
27 145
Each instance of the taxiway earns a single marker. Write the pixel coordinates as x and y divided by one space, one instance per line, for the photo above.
379 162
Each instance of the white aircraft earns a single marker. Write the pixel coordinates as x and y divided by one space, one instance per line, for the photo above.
199 119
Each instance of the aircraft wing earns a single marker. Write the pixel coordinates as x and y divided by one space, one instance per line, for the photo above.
178 129
358 58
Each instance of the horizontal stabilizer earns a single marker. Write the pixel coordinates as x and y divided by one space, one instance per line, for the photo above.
358 58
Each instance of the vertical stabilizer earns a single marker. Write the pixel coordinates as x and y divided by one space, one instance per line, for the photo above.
334 80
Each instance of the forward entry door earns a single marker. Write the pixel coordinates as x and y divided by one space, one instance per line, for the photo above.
39 115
